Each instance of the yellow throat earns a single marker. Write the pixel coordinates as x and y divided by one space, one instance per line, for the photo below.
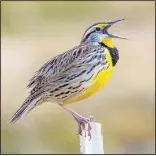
108 42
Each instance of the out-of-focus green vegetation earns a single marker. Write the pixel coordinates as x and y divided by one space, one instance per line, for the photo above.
34 32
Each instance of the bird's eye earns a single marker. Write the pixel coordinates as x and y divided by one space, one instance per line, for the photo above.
98 29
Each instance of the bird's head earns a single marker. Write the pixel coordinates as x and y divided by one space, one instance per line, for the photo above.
98 34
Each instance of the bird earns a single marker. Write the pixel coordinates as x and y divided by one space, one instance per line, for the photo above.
75 74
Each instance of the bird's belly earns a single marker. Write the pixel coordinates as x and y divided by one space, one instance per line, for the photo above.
97 83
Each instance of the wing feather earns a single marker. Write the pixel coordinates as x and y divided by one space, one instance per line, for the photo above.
58 65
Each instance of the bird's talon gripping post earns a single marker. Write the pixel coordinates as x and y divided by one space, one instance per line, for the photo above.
79 130
83 125
89 134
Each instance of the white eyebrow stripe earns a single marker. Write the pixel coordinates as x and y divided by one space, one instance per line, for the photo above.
88 31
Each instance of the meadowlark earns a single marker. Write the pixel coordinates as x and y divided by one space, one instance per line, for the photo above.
75 74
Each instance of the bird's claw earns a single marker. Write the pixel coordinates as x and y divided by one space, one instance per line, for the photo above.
84 125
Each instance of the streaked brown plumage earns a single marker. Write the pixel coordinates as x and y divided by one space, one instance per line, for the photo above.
69 75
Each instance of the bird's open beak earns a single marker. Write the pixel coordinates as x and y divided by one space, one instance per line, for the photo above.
112 23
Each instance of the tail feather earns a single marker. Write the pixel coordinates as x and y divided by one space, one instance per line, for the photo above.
25 109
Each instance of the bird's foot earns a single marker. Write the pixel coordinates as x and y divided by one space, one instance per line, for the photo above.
84 125
83 122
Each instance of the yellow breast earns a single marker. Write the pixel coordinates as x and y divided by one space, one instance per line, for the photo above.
99 81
